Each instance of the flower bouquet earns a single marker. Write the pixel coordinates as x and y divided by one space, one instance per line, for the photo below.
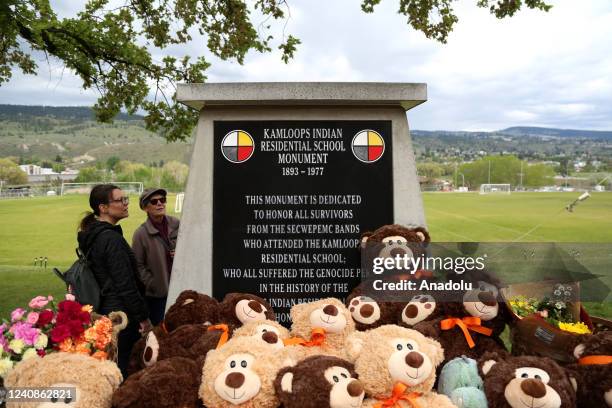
44 327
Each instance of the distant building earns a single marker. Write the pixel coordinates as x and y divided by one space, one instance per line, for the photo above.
37 174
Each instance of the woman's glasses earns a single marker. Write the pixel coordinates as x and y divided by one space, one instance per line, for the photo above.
122 200
154 201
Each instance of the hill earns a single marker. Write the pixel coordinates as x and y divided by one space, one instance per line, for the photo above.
565 133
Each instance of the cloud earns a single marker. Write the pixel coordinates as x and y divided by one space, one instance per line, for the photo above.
536 68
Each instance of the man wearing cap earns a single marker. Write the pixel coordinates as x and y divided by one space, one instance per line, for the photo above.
153 244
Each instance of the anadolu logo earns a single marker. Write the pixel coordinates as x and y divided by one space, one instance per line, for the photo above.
368 146
237 146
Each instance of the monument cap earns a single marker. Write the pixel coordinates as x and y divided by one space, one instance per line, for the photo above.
144 197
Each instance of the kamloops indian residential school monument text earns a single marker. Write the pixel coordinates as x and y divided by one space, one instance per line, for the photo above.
284 179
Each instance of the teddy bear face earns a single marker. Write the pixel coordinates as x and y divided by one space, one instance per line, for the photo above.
266 331
526 381
327 314
481 301
320 381
240 308
391 354
192 307
241 373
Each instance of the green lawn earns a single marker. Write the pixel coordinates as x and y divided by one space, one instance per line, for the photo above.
47 227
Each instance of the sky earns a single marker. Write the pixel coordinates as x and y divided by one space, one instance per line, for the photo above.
535 69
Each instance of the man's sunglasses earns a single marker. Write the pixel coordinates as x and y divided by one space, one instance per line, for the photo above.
154 201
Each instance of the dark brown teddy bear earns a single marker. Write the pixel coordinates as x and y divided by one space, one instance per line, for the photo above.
593 370
170 383
472 326
319 382
239 308
526 382
191 307
191 341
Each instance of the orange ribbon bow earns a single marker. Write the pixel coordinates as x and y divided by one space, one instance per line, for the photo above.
224 335
595 360
466 324
398 394
317 338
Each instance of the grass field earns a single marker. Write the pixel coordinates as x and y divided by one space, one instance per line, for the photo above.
47 226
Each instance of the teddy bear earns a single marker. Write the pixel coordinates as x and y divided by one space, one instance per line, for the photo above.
471 320
173 382
461 382
526 381
369 309
321 327
191 307
267 331
397 367
237 309
593 370
192 341
242 374
83 381
319 382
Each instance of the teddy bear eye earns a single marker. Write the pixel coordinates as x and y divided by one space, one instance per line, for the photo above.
233 364
53 400
344 375
525 375
264 330
67 400
399 347
538 377
409 346
243 363
336 379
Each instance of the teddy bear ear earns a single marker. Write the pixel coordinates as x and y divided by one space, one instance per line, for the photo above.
579 351
574 382
111 372
354 345
436 351
487 361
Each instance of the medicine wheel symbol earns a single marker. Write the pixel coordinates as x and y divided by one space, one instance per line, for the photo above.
368 146
237 146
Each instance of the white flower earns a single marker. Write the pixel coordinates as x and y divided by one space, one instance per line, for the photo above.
29 353
5 366
560 305
16 345
41 342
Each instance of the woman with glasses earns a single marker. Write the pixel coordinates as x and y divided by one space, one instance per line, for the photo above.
114 265
153 243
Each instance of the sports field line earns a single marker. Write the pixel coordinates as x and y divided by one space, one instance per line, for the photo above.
521 234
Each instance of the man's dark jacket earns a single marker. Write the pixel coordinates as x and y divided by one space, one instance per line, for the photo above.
113 263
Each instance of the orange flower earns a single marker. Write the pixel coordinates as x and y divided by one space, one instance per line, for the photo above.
100 355
66 345
87 308
90 334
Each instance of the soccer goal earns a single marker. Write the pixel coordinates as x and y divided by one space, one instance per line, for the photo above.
495 189
85 188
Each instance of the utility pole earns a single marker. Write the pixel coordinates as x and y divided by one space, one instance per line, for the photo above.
489 182
521 176
455 174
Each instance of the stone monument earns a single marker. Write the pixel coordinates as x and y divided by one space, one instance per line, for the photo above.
284 179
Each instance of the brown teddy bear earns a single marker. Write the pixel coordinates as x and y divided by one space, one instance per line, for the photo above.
192 341
241 374
91 381
397 367
173 382
319 382
526 382
593 370
369 310
323 326
191 307
237 309
268 331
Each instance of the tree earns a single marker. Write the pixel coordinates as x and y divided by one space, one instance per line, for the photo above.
111 162
506 169
10 172
112 48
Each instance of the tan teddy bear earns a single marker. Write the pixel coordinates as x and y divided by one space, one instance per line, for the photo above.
323 327
91 381
241 373
397 367
267 331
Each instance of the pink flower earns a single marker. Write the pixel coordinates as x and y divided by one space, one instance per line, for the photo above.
70 297
17 314
25 331
38 302
32 318
543 313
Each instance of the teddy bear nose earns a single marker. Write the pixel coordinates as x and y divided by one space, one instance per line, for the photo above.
330 310
414 359
270 337
411 311
487 298
397 251
533 388
366 310
256 306
234 380
354 388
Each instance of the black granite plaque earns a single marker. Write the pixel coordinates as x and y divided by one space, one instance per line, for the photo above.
291 200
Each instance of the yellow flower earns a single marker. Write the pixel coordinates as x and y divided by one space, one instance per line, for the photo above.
578 328
5 366
41 341
16 345
87 308
29 353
